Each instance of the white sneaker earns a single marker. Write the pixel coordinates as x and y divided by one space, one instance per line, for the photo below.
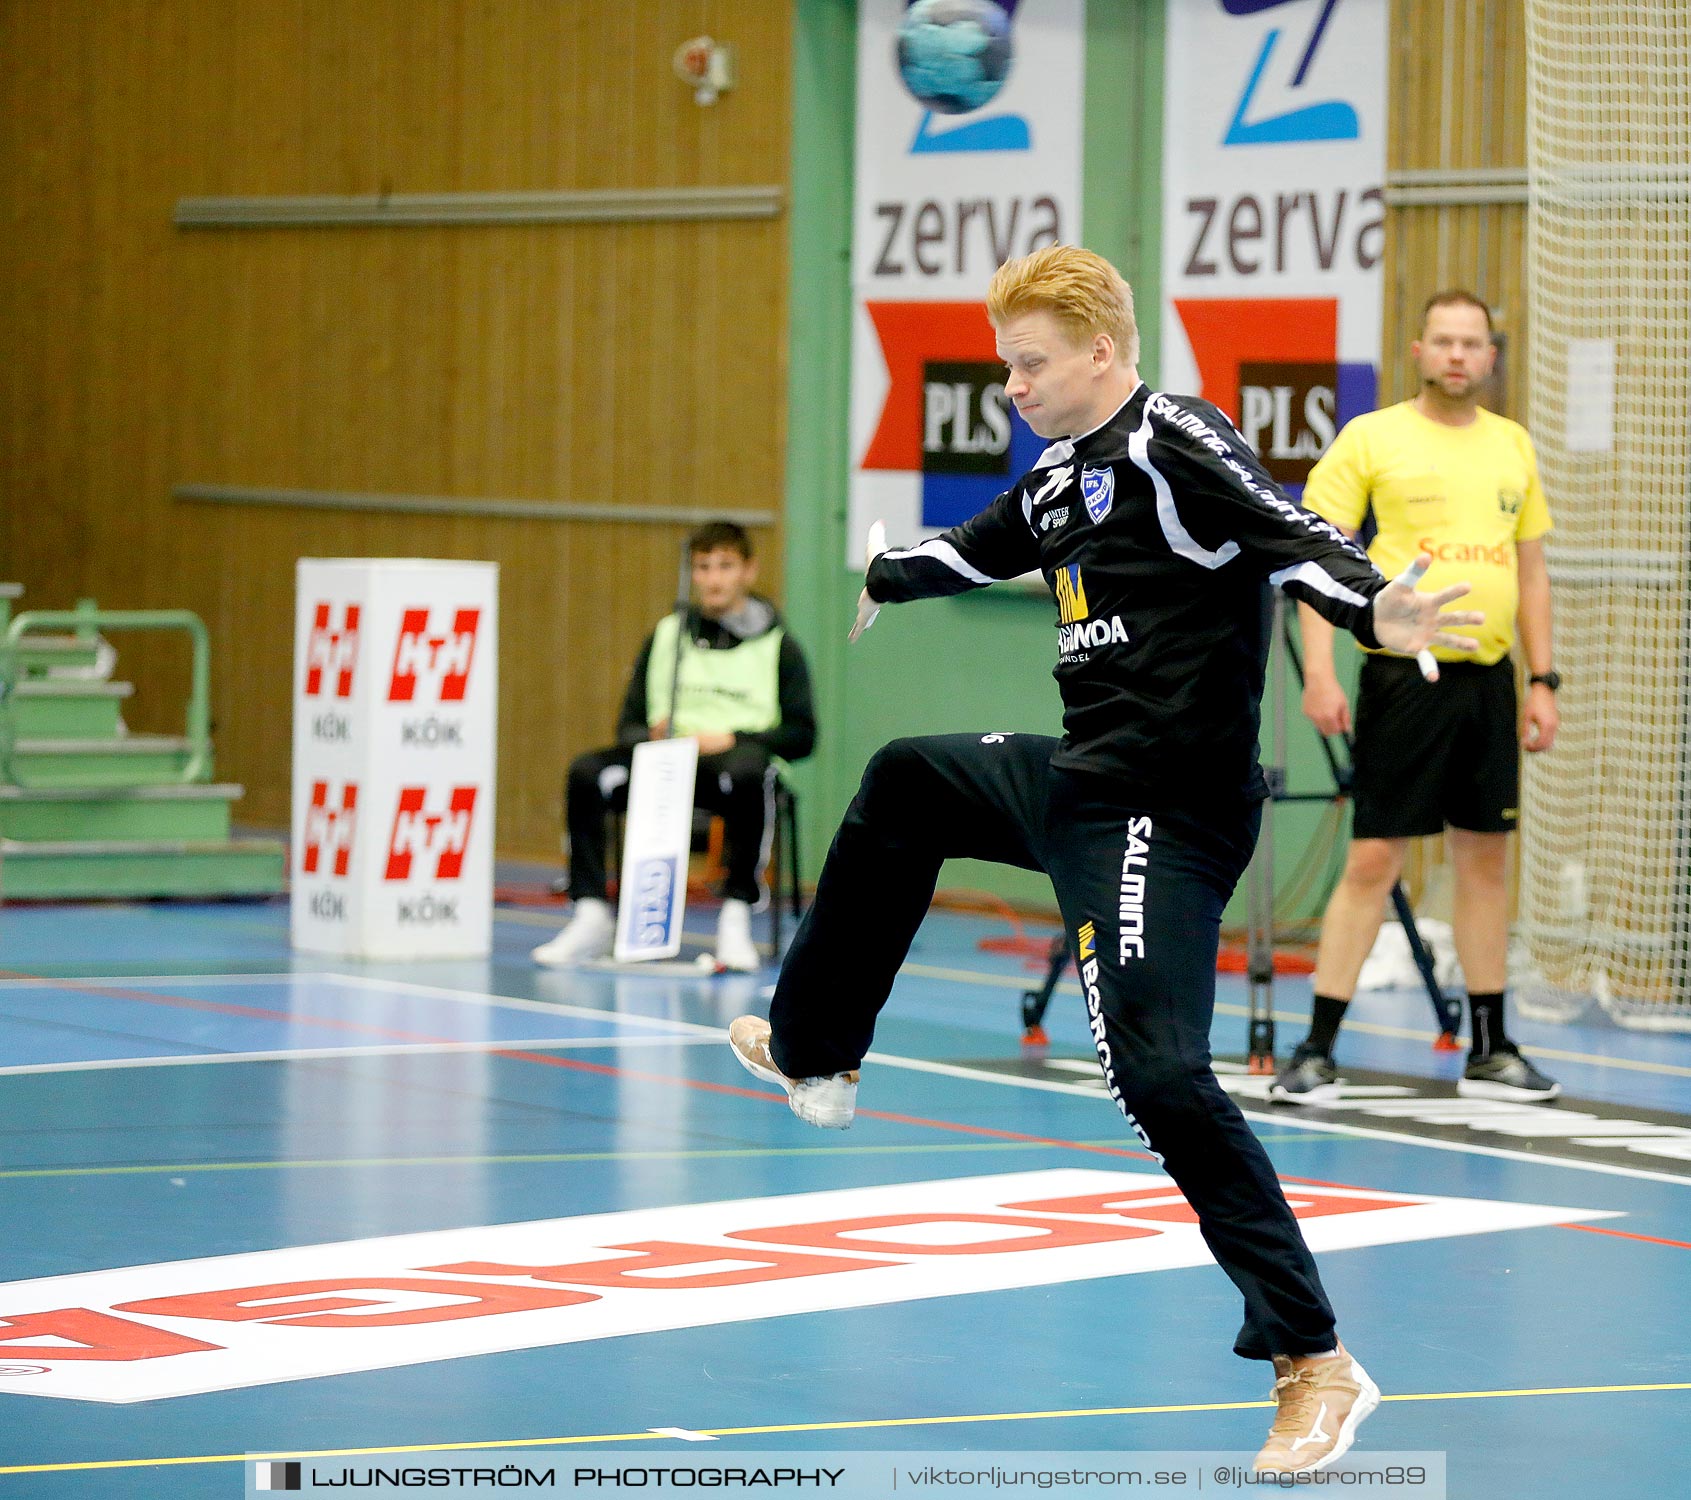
828 1103
734 946
590 934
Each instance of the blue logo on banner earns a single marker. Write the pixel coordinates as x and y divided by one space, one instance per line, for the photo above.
1329 120
654 902
1098 490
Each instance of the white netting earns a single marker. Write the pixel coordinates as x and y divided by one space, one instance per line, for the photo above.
1606 821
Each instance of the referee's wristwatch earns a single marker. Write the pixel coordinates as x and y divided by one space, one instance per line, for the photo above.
1551 679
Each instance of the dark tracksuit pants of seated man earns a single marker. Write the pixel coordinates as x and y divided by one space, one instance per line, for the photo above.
743 673
738 785
1141 892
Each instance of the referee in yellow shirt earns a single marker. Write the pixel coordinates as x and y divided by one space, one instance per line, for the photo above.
1444 476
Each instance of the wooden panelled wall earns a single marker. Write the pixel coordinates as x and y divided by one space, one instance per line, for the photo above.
1457 107
1457 111
632 364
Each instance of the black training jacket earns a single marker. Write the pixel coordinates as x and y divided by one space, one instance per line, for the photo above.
1158 533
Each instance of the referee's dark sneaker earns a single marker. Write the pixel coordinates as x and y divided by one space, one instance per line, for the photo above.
1309 1078
1503 1073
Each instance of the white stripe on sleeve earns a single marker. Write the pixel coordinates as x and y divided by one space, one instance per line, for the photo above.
1312 575
1177 536
942 551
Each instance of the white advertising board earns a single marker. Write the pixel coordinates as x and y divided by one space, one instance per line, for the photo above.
657 841
396 698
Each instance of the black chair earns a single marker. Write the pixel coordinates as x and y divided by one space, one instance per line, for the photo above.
784 851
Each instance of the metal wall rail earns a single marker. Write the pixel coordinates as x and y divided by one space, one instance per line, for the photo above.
1434 187
598 206
452 505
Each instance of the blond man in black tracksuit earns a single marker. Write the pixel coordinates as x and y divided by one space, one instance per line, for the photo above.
1158 532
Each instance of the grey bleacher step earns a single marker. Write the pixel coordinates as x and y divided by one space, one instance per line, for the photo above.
67 707
128 744
58 869
153 848
71 687
61 813
224 791
116 760
44 642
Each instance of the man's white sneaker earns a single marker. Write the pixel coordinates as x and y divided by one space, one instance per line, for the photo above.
734 946
828 1103
590 934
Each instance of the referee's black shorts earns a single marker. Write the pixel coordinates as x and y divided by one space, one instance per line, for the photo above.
1435 754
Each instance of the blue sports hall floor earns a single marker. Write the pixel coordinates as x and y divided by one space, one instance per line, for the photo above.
259 1202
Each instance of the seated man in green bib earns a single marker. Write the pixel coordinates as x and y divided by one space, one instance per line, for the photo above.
744 695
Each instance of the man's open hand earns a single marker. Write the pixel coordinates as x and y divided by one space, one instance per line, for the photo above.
1409 622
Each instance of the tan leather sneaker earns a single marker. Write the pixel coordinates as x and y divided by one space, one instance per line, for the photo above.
827 1102
1322 1403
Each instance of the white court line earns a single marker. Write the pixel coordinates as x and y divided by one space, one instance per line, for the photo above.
916 970
1370 1028
371 981
52 981
540 1007
397 1049
951 1070
1050 1086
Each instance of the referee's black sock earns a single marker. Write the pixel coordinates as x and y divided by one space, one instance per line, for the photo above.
1485 1012
1324 1022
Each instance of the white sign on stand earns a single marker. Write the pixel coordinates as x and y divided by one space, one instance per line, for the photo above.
396 696
657 843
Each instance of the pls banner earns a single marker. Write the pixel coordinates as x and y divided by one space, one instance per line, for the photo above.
968 153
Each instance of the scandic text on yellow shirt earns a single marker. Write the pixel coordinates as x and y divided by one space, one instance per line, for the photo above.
1466 495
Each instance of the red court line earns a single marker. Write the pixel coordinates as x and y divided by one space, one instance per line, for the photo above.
1621 1234
224 1008
607 1070
864 1114
1007 1135
578 1065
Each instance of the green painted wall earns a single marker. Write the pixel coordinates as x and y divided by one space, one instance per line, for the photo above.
981 662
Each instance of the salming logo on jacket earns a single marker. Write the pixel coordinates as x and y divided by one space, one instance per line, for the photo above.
1158 533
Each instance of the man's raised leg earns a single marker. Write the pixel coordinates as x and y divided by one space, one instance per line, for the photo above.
921 802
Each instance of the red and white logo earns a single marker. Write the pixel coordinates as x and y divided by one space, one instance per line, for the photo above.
441 656
331 655
420 830
139 1333
329 826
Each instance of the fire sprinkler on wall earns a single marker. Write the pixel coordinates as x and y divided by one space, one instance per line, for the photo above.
707 66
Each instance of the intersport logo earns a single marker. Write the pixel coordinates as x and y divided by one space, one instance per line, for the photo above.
331 819
427 656
140 1333
420 830
331 654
